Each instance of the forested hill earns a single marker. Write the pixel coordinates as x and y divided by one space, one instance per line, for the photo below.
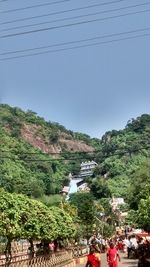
29 152
123 156
30 147
49 137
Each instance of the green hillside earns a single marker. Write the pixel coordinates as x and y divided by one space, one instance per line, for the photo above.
122 153
29 153
36 156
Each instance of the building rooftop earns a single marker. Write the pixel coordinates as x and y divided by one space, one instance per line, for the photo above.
88 163
65 189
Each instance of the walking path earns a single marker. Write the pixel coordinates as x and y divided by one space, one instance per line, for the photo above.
123 263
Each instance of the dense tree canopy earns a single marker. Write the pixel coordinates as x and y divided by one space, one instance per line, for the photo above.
99 188
122 171
85 206
140 185
22 217
119 153
119 186
144 214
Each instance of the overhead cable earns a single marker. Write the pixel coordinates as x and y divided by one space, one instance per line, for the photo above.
51 153
72 24
75 17
76 47
4 1
62 12
75 42
34 6
75 152
117 153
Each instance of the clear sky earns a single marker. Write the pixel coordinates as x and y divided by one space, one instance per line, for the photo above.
91 89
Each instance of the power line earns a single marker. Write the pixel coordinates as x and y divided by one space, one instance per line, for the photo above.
62 12
34 6
51 153
76 47
75 17
118 153
73 24
4 1
76 152
75 42
43 160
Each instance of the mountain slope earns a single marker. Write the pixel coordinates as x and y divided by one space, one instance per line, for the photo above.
122 153
47 136
30 160
36 156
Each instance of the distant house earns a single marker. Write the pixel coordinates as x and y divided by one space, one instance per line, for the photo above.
87 168
75 185
65 190
83 188
115 202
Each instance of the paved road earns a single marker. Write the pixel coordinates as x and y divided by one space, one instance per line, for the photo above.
124 262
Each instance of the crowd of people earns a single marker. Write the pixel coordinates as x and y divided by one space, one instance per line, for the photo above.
137 247
100 245
133 246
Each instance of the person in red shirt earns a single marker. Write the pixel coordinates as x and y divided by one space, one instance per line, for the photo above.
93 258
112 256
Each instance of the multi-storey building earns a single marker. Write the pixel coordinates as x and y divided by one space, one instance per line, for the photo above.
87 168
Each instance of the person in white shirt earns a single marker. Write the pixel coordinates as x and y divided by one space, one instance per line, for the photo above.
129 246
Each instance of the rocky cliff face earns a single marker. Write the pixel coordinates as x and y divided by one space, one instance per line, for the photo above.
49 137
33 135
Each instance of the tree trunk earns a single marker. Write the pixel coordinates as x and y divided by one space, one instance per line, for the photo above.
8 254
31 248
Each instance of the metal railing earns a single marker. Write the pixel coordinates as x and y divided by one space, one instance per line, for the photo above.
58 259
20 257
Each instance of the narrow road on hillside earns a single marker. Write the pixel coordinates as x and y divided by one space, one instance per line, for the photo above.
123 263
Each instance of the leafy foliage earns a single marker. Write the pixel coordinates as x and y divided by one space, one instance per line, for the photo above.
51 200
99 188
132 216
139 197
144 214
140 185
85 206
25 218
105 203
24 168
122 157
119 186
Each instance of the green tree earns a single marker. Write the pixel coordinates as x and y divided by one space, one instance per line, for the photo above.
105 203
140 185
51 200
99 188
131 218
85 207
119 186
30 219
10 220
144 214
65 225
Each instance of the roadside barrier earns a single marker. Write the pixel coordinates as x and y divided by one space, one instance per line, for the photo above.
81 260
60 259
66 258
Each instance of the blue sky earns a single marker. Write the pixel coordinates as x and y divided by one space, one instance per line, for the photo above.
90 90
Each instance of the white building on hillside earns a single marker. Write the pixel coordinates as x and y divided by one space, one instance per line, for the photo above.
116 202
87 168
